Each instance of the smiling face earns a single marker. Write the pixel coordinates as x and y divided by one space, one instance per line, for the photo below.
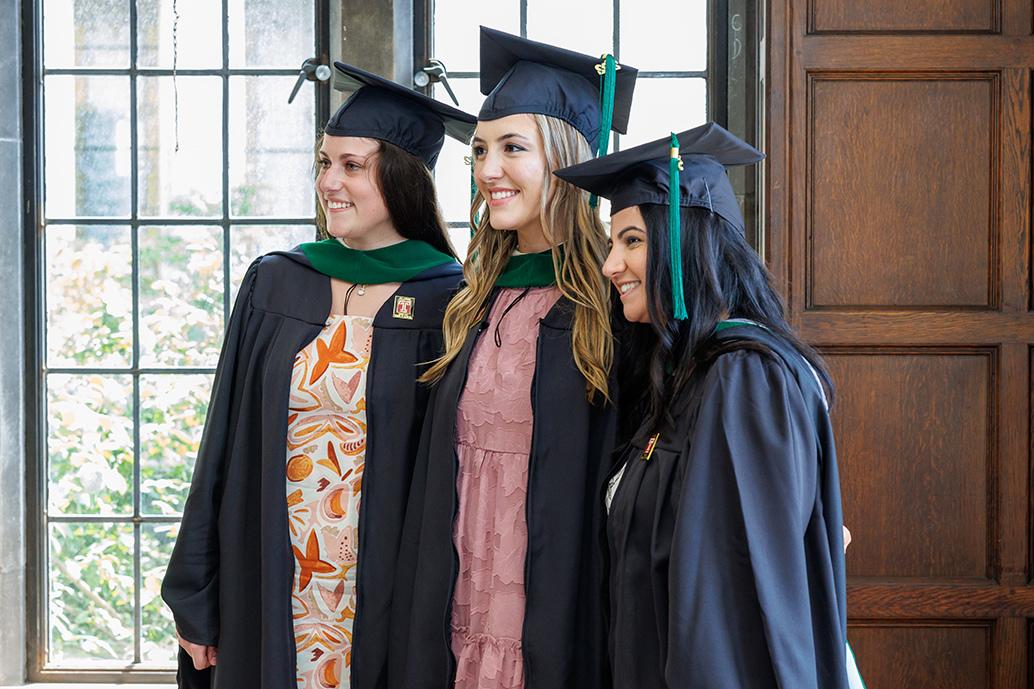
509 168
626 264
348 193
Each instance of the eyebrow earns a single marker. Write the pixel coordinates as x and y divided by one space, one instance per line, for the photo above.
504 137
343 156
628 229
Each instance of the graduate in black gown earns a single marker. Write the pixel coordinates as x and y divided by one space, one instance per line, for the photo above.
499 584
232 572
724 520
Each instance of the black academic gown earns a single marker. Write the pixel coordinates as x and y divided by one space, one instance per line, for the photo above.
726 549
231 573
563 640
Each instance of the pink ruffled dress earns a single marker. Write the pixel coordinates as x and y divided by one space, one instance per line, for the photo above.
493 441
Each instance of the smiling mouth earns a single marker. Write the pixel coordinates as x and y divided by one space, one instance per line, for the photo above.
500 197
628 287
338 205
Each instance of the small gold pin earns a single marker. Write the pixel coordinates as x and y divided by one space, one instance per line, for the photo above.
649 447
601 68
404 308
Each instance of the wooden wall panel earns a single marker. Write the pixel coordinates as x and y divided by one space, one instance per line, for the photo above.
924 655
903 191
874 16
914 428
898 219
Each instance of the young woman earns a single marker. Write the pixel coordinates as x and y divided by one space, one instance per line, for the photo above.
724 525
499 572
278 579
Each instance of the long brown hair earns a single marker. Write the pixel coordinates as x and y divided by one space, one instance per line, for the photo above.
566 219
407 187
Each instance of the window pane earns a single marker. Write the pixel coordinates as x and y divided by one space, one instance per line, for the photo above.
91 592
172 417
198 34
452 173
663 106
585 26
181 296
248 242
89 296
86 33
456 32
87 146
271 148
158 643
90 424
664 35
272 33
181 153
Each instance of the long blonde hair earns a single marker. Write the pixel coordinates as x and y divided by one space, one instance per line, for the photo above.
566 219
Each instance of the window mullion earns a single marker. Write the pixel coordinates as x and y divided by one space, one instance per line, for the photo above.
226 163
718 62
615 137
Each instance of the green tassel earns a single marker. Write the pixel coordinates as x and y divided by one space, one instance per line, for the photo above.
608 81
674 212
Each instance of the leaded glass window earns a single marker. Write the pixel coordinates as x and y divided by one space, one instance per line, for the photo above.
170 159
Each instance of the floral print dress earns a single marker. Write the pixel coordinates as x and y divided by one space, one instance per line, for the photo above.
326 449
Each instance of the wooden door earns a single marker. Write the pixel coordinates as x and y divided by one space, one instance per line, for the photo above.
898 218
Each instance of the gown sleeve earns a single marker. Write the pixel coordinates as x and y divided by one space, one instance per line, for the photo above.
191 584
742 576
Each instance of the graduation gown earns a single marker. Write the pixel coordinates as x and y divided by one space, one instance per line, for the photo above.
725 545
563 641
231 573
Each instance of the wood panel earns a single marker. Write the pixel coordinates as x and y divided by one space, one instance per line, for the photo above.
918 327
841 16
915 430
918 283
898 656
924 601
903 191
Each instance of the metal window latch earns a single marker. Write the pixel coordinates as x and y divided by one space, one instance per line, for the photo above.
435 72
312 70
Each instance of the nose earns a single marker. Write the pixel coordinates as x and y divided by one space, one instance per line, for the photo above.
488 169
328 180
615 264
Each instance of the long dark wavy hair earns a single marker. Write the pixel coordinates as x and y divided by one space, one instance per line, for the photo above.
723 277
407 187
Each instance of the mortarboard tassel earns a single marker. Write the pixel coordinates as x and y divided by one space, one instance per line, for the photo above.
674 212
608 71
609 77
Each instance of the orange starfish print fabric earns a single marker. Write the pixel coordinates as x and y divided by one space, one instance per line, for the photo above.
325 454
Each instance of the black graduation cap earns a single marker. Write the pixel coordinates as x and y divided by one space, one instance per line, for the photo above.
641 174
646 174
381 109
522 76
